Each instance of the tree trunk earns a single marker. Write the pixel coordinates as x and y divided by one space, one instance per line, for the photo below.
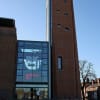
83 95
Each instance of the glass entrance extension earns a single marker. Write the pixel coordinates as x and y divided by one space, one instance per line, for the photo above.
32 62
32 71
29 92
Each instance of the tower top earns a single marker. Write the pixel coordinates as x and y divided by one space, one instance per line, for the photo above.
7 22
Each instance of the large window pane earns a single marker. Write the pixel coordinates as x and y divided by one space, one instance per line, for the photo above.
45 44
37 45
20 54
27 75
44 50
19 78
20 60
28 45
21 43
44 61
44 73
44 79
20 49
19 72
28 50
28 54
44 56
37 79
32 62
44 67
20 66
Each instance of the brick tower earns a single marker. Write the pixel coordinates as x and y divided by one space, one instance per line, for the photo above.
64 78
8 42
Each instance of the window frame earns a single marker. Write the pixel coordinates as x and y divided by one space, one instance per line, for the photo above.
59 62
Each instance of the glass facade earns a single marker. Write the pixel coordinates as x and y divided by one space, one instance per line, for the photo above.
32 68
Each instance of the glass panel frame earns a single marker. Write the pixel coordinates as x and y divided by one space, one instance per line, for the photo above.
38 53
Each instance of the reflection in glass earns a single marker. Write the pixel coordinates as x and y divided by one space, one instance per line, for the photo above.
20 43
44 79
20 54
20 66
19 72
19 78
45 45
44 67
44 55
44 73
25 93
32 62
45 50
44 61
20 60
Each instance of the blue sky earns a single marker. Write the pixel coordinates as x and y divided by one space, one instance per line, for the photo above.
30 19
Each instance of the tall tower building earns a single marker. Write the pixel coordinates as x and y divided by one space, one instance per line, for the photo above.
8 52
65 80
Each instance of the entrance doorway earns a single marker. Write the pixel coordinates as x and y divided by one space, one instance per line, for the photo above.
32 93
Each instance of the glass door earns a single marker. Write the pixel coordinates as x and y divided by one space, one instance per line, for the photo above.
34 93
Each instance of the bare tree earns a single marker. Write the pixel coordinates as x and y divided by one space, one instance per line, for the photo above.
86 74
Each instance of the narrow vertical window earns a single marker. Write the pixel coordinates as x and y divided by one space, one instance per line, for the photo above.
59 61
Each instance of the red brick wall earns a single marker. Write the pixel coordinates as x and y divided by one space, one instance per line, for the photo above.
66 83
7 60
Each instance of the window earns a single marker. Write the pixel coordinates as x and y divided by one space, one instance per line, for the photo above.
20 60
65 14
20 66
20 49
67 29
58 25
57 11
44 50
44 44
59 61
44 67
20 55
20 43
44 73
45 61
32 62
44 55
44 79
19 72
19 78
